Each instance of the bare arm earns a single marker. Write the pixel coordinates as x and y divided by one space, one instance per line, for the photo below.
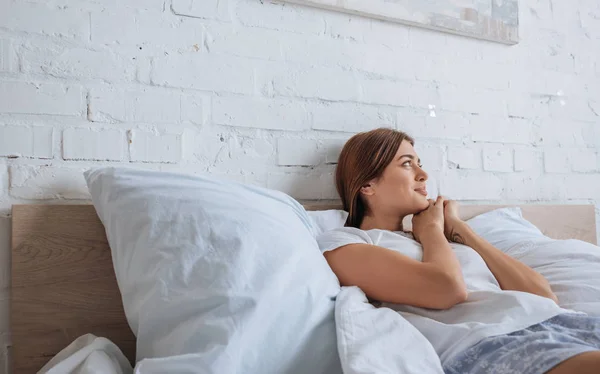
510 273
389 276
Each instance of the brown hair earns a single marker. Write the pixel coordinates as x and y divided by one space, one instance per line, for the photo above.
364 158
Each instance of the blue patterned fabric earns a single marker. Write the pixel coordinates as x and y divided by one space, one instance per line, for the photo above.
534 350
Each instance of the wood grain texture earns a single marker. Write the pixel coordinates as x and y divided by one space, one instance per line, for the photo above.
63 282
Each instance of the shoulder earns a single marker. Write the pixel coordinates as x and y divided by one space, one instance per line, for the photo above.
333 239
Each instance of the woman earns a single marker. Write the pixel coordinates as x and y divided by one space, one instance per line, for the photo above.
483 311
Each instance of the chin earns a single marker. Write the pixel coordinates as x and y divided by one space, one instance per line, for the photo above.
422 205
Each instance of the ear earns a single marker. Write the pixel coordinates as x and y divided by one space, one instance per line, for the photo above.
367 189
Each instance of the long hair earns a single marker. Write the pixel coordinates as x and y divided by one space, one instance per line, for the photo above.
364 158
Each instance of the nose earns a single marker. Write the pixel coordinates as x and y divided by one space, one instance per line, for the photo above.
421 175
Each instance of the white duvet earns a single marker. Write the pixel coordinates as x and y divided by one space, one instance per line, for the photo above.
370 340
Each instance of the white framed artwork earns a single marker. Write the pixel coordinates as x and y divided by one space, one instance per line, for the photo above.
494 20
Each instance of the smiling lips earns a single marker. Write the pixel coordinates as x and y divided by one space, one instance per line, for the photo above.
422 191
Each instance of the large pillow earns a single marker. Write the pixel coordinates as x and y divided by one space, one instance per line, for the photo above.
217 276
326 220
572 267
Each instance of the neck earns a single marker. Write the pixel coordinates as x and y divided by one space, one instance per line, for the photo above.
391 222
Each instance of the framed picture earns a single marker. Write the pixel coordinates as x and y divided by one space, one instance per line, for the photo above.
494 20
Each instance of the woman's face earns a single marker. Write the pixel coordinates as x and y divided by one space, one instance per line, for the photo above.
401 187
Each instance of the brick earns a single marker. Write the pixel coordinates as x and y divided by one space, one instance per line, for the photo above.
574 108
464 158
556 160
349 117
582 186
303 186
64 61
207 9
244 154
398 65
471 72
471 100
534 188
47 182
556 133
297 152
145 105
93 144
493 129
432 156
248 42
436 124
500 160
584 161
40 98
148 146
317 82
8 57
282 17
332 149
145 29
425 40
3 180
527 159
390 34
255 112
464 185
66 22
386 92
194 108
318 51
203 72
94 5
348 27
423 95
22 141
524 105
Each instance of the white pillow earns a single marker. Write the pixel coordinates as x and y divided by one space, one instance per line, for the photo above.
572 267
217 276
325 220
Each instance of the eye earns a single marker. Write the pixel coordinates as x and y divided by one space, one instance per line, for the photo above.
409 163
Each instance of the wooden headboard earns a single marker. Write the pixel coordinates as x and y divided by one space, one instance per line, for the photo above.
63 282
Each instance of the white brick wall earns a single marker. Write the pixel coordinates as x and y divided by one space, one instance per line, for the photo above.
94 144
267 93
21 141
301 152
3 180
33 97
464 158
496 159
154 146
8 57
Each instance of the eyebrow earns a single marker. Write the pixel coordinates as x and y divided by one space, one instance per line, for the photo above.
409 156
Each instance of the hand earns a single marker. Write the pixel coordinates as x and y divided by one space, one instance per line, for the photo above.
431 218
451 219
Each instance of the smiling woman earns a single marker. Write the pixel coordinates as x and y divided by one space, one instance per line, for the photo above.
363 166
462 293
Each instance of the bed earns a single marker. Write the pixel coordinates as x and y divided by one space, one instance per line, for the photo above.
63 283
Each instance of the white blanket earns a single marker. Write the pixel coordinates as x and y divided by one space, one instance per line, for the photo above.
86 355
370 340
379 340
